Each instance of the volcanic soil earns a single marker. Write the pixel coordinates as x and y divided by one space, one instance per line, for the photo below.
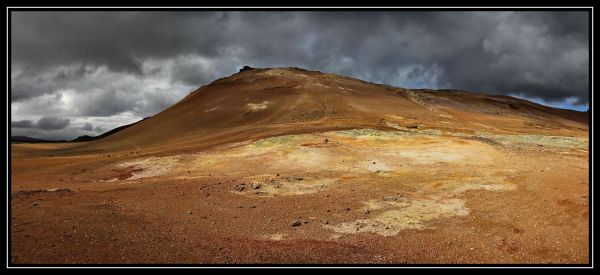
285 165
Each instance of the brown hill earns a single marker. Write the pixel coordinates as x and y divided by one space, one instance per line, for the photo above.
257 103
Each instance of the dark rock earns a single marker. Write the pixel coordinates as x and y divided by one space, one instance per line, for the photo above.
296 223
240 187
255 185
246 68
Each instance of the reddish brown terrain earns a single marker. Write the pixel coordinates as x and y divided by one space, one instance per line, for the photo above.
287 165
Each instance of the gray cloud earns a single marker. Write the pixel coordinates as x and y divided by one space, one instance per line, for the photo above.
44 123
87 127
103 64
22 124
52 123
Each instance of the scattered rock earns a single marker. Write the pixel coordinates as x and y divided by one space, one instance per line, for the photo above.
326 222
298 178
517 230
188 212
253 206
391 198
35 204
367 211
240 187
325 141
255 185
304 221
296 223
347 209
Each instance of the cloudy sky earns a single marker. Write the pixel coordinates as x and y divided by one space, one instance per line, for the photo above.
75 73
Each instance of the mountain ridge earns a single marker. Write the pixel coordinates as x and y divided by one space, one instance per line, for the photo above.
260 102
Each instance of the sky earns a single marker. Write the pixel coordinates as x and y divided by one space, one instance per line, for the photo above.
84 73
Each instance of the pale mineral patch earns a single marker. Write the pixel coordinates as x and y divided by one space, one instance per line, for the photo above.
258 106
412 216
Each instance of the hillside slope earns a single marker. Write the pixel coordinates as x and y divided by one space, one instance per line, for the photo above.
257 103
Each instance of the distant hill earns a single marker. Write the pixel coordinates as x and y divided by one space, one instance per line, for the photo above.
26 139
86 138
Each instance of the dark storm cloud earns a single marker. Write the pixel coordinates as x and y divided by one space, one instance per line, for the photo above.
52 123
22 124
141 62
44 123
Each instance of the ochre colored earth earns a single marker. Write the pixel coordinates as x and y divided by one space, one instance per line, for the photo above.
292 166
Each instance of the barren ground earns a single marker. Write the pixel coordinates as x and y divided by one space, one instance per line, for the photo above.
285 165
365 196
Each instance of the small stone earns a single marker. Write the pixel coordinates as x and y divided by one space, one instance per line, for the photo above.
298 178
253 206
188 212
296 223
373 162
35 204
367 211
255 185
304 221
326 222
347 208
240 187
